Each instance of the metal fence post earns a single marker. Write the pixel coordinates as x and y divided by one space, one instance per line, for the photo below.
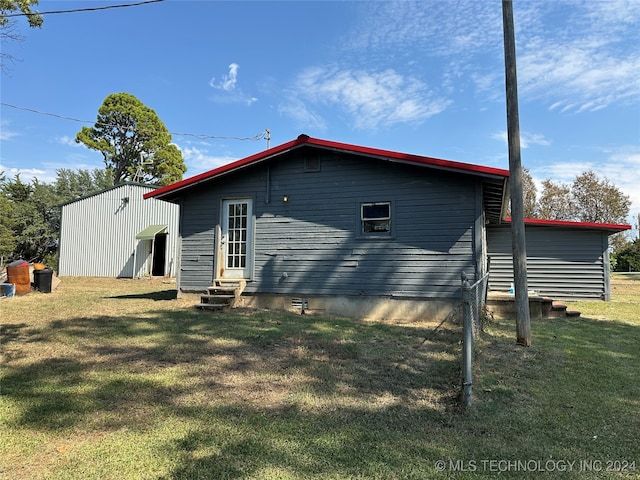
467 345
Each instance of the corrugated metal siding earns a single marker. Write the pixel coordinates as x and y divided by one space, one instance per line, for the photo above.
561 262
309 244
97 235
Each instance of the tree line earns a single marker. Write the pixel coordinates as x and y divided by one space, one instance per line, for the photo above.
135 146
587 199
30 211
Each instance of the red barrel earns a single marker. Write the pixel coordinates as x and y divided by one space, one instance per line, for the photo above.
19 276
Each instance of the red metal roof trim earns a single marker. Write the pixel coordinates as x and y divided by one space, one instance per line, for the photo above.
409 158
343 147
220 170
614 227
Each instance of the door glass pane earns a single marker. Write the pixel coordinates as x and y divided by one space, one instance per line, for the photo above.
237 235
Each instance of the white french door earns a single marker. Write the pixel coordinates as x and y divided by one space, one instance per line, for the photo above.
237 238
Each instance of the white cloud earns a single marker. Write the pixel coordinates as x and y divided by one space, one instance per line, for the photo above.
28 174
583 58
577 56
438 28
580 77
301 115
370 99
68 141
228 82
4 133
526 139
199 160
227 85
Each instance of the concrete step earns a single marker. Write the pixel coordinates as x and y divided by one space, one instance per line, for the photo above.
572 313
546 303
558 310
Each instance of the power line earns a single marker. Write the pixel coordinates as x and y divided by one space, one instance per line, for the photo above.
259 136
87 9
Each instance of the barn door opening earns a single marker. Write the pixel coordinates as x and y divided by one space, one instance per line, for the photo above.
150 251
158 267
237 238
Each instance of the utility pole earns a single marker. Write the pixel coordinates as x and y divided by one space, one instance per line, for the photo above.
518 240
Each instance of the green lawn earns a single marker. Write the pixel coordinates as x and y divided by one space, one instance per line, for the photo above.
117 379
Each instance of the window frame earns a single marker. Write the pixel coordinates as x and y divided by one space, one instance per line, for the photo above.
360 233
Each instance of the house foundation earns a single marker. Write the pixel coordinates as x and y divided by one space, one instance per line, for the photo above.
352 306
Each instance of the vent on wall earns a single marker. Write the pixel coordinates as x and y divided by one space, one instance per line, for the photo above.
312 163
299 303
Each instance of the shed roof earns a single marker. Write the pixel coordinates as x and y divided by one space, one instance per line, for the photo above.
100 192
494 179
610 227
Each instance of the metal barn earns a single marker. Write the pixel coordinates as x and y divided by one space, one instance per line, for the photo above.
116 233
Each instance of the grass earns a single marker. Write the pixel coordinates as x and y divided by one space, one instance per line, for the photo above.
118 379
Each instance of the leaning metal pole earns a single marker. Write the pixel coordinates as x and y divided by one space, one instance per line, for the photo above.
518 242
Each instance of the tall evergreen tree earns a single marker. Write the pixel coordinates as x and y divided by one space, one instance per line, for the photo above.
134 142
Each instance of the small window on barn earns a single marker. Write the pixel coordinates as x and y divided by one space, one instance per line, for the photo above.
375 218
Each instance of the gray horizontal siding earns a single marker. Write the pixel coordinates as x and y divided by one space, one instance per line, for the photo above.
310 245
561 262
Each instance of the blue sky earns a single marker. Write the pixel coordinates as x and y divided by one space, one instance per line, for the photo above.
418 77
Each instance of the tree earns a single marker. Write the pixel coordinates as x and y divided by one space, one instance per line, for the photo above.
599 200
24 6
528 195
587 199
555 202
627 258
8 26
7 239
132 138
70 185
30 212
529 192
34 218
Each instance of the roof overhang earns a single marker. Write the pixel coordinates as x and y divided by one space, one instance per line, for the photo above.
151 231
493 177
608 227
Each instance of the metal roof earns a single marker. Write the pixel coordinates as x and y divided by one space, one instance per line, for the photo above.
494 180
99 192
610 227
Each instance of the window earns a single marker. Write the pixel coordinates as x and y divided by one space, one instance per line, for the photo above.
375 218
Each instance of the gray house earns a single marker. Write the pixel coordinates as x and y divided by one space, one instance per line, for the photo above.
339 228
116 233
